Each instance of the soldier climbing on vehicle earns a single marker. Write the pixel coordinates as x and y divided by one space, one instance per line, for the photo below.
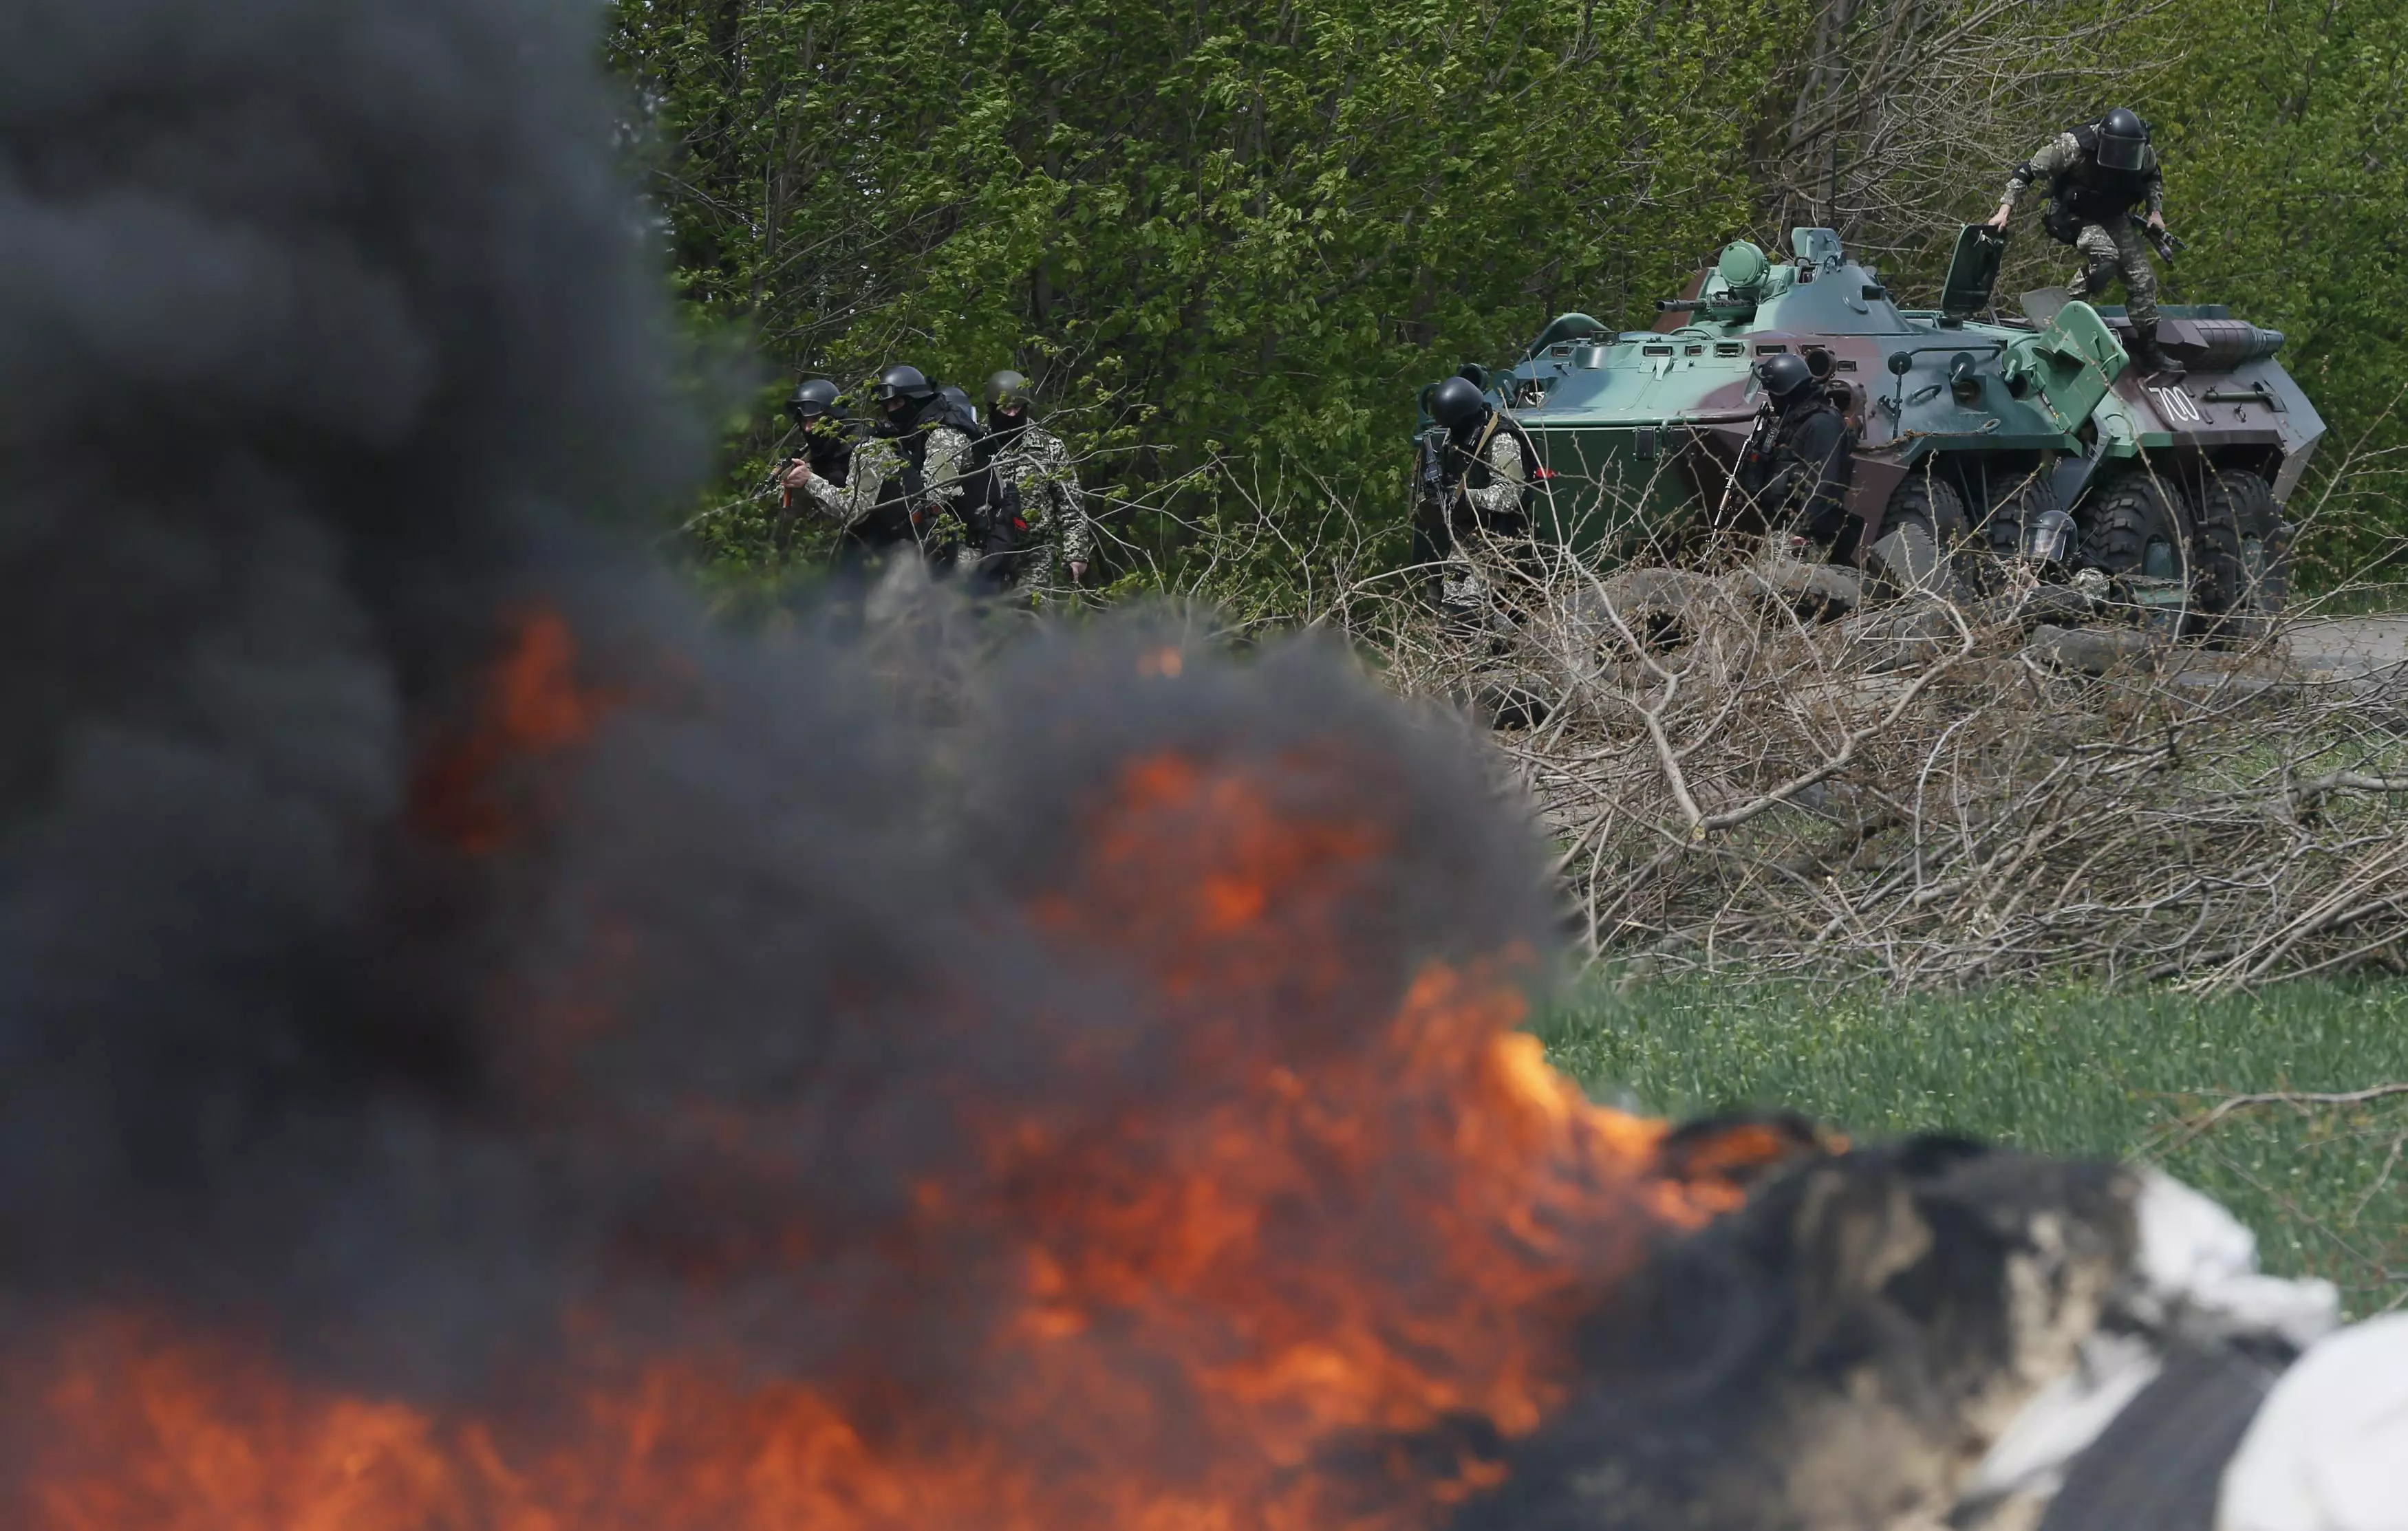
1799 462
1479 475
1037 522
2098 173
907 481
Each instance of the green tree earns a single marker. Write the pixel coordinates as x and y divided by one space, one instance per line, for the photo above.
2284 135
1250 227
1258 223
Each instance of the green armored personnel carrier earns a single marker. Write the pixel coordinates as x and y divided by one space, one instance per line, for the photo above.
1989 437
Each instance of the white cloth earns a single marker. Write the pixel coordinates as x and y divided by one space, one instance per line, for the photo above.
2031 1455
2328 1449
2195 1277
2198 1277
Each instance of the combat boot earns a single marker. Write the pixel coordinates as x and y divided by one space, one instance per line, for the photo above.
2151 357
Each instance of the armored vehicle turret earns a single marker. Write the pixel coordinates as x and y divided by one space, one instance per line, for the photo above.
2028 438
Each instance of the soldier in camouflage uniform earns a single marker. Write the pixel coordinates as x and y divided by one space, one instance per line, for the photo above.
815 477
2096 174
1038 519
907 482
1479 471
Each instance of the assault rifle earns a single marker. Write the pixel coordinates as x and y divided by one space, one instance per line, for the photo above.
1747 479
2168 247
777 484
1435 491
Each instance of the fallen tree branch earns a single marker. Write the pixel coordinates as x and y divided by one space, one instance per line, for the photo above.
2232 1104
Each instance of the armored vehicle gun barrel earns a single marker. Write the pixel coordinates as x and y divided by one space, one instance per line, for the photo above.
2228 342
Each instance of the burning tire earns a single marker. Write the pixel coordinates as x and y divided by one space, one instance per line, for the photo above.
2237 548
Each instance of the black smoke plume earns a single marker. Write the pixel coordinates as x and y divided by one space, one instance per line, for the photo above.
434 963
344 1009
313 319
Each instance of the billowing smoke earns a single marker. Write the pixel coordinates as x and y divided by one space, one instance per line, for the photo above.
481 1049
316 316
433 962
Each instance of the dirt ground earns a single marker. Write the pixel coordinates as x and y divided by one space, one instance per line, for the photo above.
2349 648
2368 655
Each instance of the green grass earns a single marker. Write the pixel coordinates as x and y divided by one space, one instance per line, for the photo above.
2072 1071
2366 600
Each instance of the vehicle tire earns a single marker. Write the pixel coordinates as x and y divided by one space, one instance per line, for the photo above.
1997 543
2002 527
1921 530
2237 548
2134 527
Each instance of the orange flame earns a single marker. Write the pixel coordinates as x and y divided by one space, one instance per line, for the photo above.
532 707
1270 1294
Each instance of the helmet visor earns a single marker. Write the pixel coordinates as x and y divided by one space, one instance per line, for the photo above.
2120 153
2049 536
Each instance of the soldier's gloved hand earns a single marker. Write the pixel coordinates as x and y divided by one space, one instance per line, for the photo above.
797 474
1078 571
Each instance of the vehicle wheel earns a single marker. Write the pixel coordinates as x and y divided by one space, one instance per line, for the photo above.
2243 572
1926 515
2132 528
1997 543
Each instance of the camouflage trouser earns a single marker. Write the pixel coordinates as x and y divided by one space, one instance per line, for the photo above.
1043 575
2108 250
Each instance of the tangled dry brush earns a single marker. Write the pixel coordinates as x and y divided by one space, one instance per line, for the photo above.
1738 763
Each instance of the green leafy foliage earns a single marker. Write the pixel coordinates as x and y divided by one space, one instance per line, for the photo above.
2285 138
1258 224
1249 230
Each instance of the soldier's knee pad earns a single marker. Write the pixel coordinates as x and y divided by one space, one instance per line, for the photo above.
2098 273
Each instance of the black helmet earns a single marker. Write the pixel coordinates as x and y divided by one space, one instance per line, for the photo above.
2122 136
958 403
904 382
816 397
1457 405
1784 377
1008 391
902 392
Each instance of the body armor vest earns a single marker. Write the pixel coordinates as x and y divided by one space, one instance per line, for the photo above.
1784 479
2089 193
830 456
889 521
